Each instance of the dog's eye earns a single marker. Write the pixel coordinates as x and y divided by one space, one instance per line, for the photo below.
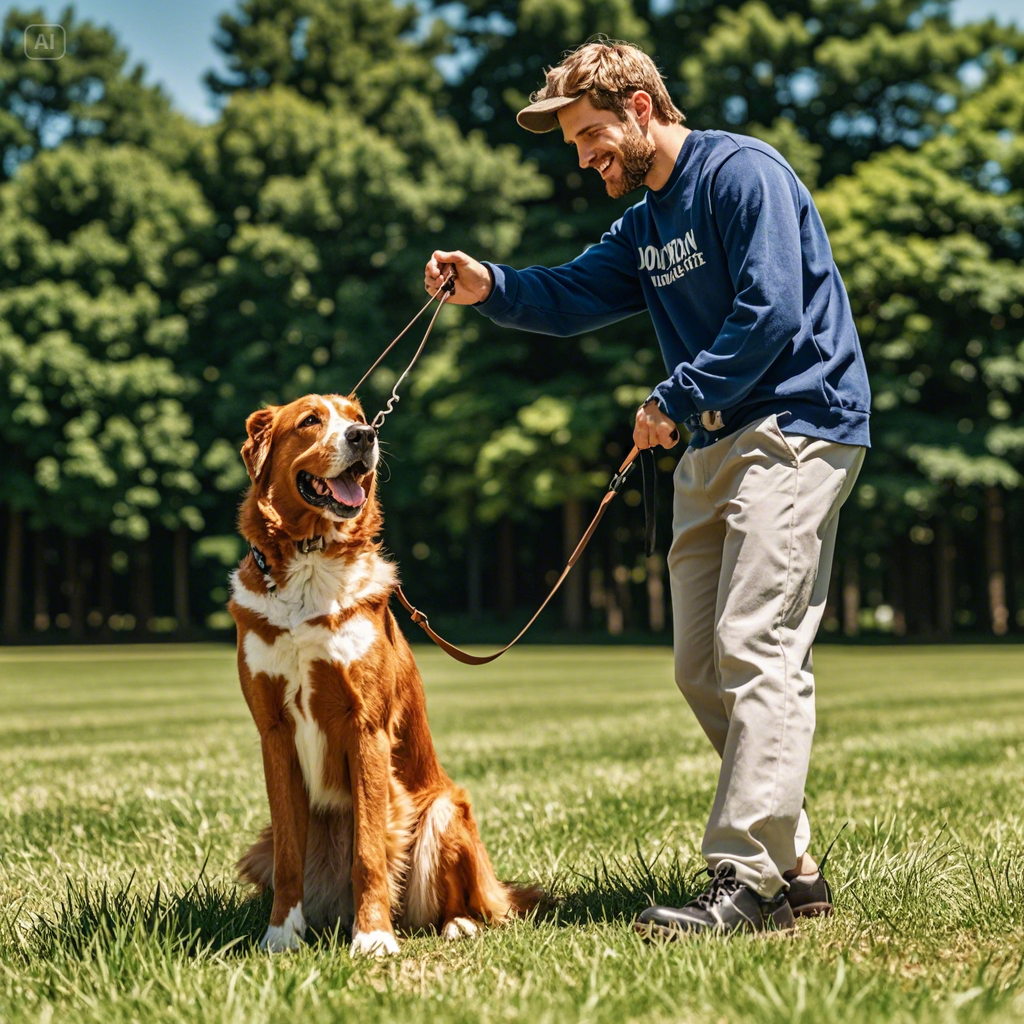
311 421
361 418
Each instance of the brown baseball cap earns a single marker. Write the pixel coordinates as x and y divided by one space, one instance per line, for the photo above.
542 116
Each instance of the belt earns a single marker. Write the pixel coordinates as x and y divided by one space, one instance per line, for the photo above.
711 420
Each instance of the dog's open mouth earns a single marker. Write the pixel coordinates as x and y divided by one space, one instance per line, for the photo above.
343 494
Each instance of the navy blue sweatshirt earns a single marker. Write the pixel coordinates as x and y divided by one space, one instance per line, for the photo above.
731 259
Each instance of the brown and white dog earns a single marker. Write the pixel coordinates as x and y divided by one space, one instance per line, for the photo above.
365 826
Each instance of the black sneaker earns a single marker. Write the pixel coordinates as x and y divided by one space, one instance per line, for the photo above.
809 895
727 906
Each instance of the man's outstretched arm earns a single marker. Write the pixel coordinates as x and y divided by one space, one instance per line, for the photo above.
600 287
554 292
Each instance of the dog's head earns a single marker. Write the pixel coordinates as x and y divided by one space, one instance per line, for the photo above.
312 464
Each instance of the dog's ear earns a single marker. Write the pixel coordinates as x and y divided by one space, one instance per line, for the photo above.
257 445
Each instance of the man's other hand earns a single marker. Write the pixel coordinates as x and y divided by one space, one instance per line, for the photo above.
653 427
473 283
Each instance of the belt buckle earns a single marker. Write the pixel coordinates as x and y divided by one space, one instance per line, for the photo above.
711 419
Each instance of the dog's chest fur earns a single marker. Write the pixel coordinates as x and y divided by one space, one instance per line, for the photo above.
314 587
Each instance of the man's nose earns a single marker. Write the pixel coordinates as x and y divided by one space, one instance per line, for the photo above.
360 436
585 155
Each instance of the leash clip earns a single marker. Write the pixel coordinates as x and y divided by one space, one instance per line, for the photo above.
378 421
620 478
446 289
309 545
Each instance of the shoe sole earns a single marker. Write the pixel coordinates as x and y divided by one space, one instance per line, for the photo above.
813 910
657 931
667 934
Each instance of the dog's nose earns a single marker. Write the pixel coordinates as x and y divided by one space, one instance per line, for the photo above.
360 436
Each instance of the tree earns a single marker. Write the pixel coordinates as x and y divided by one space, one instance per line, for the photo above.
359 54
163 279
541 421
930 243
828 84
88 94
331 173
97 243
852 78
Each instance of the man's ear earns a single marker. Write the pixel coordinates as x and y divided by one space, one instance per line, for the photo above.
643 107
257 445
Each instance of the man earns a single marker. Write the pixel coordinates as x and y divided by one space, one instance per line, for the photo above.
729 256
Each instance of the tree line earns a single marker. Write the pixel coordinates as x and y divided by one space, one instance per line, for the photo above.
161 279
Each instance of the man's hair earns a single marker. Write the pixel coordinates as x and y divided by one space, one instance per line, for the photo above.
609 72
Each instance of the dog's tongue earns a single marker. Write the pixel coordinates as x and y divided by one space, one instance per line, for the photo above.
346 491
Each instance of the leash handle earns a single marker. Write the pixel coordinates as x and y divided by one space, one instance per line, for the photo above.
474 659
650 472
448 285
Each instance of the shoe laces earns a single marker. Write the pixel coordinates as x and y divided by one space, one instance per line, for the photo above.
723 883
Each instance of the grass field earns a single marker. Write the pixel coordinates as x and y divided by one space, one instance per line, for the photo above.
130 781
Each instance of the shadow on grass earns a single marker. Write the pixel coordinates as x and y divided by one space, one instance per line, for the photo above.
619 889
201 919
207 919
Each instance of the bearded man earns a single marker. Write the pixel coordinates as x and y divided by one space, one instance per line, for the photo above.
729 256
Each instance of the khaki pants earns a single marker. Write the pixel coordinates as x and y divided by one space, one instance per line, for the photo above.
754 530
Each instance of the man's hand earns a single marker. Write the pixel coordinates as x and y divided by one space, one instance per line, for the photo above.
653 427
473 283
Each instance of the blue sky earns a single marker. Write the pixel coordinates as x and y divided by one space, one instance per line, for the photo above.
173 37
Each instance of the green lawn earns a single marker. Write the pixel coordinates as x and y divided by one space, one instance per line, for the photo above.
123 771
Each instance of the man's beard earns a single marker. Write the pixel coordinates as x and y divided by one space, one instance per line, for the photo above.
636 156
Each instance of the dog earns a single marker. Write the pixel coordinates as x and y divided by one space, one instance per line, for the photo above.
365 826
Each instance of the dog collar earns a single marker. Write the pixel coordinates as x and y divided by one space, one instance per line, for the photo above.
305 546
260 559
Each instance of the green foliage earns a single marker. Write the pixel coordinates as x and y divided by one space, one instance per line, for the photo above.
926 232
97 242
930 243
161 280
853 78
357 54
254 263
88 93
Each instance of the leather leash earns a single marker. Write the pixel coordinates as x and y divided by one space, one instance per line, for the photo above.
613 488
647 465
446 290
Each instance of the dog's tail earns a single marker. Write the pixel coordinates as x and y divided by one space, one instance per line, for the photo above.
524 898
493 900
449 874
256 865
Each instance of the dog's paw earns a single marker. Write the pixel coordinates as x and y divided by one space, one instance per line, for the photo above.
373 944
287 935
458 927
